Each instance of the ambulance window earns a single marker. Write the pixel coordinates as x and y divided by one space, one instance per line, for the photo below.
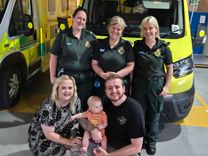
100 12
16 14
3 5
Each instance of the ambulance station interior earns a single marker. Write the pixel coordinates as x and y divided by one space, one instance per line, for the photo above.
186 137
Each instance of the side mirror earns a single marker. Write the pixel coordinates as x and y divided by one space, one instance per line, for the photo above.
64 23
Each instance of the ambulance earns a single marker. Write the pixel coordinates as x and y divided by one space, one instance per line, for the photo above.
174 24
27 30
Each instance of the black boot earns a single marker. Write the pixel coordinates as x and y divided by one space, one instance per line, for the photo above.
150 148
144 144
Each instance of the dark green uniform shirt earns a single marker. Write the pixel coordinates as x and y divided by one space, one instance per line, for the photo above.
150 62
113 59
74 54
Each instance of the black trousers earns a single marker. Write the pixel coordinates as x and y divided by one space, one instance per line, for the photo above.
146 91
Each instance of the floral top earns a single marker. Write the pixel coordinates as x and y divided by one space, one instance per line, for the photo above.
50 115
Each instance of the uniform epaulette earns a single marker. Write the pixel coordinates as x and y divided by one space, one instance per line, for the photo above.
166 43
91 33
62 31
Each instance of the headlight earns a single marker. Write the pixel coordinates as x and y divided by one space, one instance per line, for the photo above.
183 67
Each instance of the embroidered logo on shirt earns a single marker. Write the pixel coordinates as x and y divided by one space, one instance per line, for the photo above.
121 50
157 53
121 120
87 44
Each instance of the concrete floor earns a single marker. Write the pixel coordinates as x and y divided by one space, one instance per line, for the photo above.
186 138
200 60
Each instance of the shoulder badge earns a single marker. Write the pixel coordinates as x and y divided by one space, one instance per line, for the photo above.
157 53
87 44
91 34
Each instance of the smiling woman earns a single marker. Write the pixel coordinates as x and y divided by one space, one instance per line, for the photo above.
113 55
50 130
71 55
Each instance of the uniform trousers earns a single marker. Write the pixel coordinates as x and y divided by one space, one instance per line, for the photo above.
146 91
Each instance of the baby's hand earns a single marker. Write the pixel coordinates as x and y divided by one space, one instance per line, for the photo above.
100 127
72 118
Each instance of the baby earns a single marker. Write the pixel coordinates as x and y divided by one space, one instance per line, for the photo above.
97 117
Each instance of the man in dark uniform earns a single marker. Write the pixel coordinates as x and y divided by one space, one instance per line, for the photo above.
150 80
72 52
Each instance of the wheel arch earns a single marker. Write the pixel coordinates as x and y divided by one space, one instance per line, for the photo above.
13 59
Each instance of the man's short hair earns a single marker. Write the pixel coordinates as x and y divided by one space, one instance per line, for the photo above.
113 77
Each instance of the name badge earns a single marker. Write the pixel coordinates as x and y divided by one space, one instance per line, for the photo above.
141 52
102 50
69 43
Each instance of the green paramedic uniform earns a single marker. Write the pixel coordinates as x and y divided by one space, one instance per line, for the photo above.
112 59
74 59
148 81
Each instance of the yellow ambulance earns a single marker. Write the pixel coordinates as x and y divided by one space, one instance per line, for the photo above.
173 19
27 30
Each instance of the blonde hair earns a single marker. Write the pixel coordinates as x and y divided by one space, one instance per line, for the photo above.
92 99
54 95
117 20
152 20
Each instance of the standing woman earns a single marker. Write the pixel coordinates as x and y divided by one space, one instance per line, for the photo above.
113 55
71 54
50 130
151 81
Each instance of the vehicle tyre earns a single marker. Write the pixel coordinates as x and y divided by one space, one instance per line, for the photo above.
11 86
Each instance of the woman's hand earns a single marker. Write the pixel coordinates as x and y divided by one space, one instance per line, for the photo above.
53 79
72 118
74 141
164 91
100 152
104 75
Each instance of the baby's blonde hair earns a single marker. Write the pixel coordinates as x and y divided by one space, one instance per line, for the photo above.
92 100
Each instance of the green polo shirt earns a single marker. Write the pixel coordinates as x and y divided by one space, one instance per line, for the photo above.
74 54
150 62
113 59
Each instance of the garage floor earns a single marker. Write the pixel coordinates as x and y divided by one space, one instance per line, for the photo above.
201 60
186 138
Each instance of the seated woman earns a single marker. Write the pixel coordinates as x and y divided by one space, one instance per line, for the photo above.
50 132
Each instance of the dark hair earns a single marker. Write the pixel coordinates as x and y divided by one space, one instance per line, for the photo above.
79 9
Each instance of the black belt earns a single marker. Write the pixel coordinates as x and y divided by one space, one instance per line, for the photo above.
155 78
86 74
149 78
